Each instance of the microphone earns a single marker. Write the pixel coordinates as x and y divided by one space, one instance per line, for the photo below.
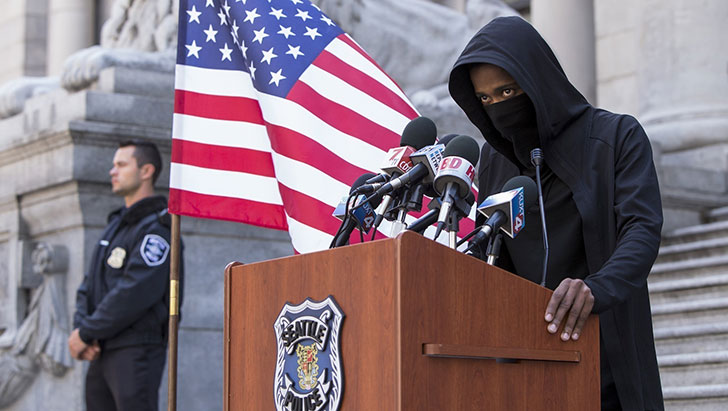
506 210
455 175
429 157
379 178
418 133
426 161
430 217
415 158
537 161
362 215
416 180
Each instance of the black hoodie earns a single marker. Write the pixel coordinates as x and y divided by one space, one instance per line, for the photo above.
605 160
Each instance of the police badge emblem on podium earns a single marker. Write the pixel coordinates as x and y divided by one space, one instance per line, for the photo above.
308 374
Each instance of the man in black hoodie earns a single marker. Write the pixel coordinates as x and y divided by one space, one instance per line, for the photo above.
121 318
602 201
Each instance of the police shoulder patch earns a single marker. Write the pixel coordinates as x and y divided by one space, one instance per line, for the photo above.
154 250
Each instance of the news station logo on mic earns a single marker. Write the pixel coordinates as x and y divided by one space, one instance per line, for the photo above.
456 167
431 157
512 203
308 366
361 210
398 160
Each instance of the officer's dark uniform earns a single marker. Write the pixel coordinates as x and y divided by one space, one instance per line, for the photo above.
123 304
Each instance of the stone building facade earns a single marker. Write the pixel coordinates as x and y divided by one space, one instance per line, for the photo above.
64 107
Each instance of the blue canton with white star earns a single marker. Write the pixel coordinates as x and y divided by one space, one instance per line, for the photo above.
273 40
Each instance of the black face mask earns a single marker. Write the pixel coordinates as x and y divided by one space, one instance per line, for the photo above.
515 119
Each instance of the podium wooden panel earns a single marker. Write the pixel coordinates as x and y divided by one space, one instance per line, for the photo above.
424 325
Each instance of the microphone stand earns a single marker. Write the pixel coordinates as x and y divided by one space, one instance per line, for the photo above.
537 161
454 227
494 248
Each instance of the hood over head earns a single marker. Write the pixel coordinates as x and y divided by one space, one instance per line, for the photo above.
512 44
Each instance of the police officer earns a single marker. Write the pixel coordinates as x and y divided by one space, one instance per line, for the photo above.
121 318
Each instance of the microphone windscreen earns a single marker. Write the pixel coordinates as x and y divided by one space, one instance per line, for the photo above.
361 181
419 132
444 140
463 146
530 192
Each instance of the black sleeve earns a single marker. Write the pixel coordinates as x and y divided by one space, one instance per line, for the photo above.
141 286
638 214
81 304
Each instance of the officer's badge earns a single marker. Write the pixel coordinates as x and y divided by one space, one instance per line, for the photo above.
154 250
308 370
116 258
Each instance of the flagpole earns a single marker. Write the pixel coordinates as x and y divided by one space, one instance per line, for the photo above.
173 315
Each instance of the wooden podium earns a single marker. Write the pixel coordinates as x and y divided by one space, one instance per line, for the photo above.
426 328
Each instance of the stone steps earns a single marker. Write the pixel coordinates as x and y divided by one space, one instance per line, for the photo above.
678 339
701 368
718 214
689 296
692 268
715 229
711 397
688 289
694 249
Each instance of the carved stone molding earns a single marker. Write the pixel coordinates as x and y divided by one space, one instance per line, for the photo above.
13 94
40 341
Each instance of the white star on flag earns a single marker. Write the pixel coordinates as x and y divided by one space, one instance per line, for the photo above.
286 31
223 19
313 32
193 49
278 13
294 51
210 34
303 15
259 35
251 15
268 56
194 15
327 21
276 77
235 29
226 53
252 69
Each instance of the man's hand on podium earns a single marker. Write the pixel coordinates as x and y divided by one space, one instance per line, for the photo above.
574 297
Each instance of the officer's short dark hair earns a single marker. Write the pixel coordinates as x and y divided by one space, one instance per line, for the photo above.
145 152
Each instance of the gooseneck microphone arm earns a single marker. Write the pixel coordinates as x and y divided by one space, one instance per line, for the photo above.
537 161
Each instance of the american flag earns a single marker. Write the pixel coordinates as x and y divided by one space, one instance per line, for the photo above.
277 112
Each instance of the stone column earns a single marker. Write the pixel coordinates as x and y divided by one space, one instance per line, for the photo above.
617 27
23 39
568 27
71 27
684 102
